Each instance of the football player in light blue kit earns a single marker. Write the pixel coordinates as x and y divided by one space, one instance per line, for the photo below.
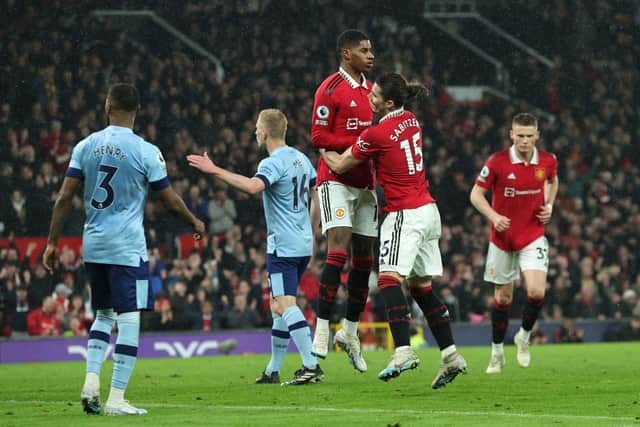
116 167
287 181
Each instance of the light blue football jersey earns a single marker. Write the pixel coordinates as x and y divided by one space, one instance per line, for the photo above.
117 166
288 177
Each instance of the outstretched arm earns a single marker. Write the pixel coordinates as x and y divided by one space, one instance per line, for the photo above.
60 213
479 201
205 164
340 163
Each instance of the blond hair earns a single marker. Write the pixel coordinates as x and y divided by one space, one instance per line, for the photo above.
275 123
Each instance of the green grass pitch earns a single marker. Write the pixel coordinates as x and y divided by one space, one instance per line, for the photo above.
566 385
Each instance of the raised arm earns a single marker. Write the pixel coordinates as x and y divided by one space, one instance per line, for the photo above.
205 164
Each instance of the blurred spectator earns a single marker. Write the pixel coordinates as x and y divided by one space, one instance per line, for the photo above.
61 295
19 327
53 104
241 316
197 204
567 333
45 320
538 336
222 212
627 331
208 319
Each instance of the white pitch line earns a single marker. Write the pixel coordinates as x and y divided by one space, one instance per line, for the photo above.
349 410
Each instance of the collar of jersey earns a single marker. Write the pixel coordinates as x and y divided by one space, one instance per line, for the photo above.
516 159
120 128
394 113
354 84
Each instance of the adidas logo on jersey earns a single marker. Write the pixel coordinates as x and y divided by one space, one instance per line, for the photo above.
353 104
511 176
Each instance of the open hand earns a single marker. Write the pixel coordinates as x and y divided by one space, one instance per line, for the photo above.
202 163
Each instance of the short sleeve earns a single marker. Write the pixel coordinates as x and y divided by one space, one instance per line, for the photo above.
324 110
269 171
312 174
74 169
487 176
155 168
364 148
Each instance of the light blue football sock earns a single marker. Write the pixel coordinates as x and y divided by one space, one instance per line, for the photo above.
301 334
279 343
126 350
99 339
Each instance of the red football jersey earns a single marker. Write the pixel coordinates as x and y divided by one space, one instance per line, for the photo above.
517 192
341 112
395 146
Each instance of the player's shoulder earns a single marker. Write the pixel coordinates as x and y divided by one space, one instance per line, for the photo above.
500 157
330 84
89 140
547 157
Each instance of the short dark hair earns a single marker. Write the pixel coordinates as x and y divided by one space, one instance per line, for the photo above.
394 87
124 97
349 39
525 119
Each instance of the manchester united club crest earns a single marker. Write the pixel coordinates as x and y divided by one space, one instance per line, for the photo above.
540 174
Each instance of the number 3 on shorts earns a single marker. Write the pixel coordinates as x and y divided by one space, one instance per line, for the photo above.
542 252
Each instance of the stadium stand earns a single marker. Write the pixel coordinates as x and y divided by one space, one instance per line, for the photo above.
59 61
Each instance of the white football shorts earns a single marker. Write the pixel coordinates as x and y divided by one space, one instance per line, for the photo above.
409 242
344 206
504 267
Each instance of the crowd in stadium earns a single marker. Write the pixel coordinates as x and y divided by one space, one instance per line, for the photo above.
59 65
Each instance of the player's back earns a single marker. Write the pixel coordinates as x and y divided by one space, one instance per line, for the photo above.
341 112
286 202
116 166
396 145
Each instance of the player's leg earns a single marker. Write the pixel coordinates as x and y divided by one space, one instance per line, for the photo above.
279 345
365 231
131 293
502 298
336 212
99 336
284 276
534 262
395 261
501 270
427 263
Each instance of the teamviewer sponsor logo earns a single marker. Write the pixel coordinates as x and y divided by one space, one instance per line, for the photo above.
352 124
509 192
512 192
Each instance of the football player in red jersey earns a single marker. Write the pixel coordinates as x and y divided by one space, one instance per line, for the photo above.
410 232
523 182
348 202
